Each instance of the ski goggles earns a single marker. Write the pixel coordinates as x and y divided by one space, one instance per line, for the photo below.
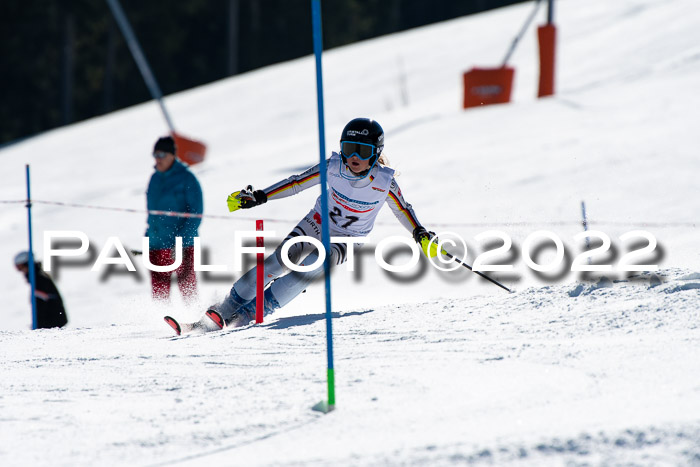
362 150
160 154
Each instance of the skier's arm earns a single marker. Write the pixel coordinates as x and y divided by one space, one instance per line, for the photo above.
401 209
248 198
294 184
405 214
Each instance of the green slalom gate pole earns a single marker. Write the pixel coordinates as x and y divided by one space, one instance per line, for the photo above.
323 406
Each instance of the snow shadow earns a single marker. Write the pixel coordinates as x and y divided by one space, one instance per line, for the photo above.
305 320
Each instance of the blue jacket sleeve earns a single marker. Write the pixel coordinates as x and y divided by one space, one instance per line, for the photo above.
194 204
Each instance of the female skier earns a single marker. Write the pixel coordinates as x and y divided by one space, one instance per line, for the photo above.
359 182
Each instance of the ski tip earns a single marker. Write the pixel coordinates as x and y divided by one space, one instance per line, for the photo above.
173 324
215 317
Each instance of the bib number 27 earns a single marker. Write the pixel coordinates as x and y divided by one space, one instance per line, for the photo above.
337 217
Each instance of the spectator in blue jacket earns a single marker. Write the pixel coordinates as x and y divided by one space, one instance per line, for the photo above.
172 188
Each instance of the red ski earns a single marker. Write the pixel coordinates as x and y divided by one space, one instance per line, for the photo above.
184 327
211 321
214 315
172 322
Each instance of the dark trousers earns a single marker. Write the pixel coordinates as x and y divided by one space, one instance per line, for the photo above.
186 277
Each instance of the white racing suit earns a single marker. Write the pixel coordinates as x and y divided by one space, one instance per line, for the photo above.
353 204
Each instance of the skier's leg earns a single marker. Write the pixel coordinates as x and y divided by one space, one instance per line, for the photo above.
243 291
286 288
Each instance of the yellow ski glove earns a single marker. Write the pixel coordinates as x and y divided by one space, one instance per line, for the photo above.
423 237
430 249
233 202
245 199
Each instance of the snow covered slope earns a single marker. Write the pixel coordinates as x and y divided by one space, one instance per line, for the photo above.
535 378
431 369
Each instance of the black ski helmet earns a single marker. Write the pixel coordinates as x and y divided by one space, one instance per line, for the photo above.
363 130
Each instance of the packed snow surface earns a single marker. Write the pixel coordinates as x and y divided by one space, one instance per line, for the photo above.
431 368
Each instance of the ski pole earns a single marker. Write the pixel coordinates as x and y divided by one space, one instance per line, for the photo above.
433 238
476 272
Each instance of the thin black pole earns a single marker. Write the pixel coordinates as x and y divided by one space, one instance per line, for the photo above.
522 32
476 272
585 228
550 11
139 58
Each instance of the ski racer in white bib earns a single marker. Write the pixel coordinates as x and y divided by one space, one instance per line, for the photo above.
359 183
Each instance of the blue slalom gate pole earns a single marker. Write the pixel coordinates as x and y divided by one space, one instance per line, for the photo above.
325 231
32 273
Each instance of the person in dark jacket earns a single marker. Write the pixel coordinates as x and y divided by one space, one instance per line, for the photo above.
172 188
50 312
